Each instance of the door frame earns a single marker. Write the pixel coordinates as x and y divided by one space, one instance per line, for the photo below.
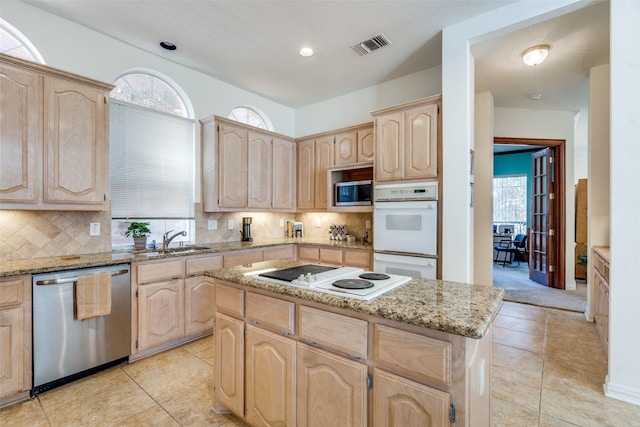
557 279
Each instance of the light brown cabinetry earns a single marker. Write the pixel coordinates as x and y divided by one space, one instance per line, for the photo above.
601 300
55 142
335 256
332 390
229 363
160 313
407 139
249 256
318 153
15 338
247 168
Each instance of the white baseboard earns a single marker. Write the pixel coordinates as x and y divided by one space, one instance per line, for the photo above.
622 392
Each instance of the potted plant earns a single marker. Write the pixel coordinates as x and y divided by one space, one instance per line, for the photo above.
139 231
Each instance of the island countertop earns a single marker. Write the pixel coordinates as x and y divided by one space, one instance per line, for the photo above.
456 308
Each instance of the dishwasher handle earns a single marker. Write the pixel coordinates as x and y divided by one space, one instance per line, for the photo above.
73 279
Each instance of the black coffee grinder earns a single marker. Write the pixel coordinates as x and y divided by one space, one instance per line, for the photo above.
246 229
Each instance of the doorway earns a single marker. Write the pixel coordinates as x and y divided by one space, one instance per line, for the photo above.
546 234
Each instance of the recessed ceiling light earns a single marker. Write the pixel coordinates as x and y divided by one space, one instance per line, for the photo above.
168 45
535 55
306 51
535 96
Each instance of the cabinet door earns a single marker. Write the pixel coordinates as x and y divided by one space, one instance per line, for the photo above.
346 148
284 174
229 364
366 146
398 402
306 174
260 170
21 124
332 390
270 378
421 142
76 144
323 160
11 351
199 304
232 155
389 147
160 313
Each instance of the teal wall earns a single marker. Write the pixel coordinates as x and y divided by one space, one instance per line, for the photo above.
515 164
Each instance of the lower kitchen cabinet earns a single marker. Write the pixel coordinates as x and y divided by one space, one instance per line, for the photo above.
399 402
199 297
229 364
335 256
270 378
160 313
15 338
332 390
601 293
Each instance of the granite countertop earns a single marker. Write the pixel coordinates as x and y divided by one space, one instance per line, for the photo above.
70 262
456 308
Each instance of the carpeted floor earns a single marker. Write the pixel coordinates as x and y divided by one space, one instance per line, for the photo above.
515 281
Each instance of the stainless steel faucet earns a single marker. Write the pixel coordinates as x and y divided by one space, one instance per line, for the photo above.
166 240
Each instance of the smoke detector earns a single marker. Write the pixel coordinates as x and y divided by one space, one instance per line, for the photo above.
374 43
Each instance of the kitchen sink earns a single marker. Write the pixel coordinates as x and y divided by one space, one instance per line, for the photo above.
176 250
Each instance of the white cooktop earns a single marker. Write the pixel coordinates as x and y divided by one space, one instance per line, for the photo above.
323 282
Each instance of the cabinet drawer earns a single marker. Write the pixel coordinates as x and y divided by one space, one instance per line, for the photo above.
162 270
307 253
10 292
331 256
333 330
197 266
242 258
357 259
601 265
230 300
271 312
286 252
423 357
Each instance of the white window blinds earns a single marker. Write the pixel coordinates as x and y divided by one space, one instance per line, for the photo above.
152 163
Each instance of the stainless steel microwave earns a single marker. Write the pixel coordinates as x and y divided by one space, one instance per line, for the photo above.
353 193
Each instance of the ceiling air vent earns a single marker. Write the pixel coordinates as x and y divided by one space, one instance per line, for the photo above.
369 45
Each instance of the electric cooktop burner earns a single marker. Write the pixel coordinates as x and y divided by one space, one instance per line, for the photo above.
374 276
352 284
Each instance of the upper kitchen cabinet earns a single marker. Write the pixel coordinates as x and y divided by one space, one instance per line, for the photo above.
246 168
407 137
318 153
55 139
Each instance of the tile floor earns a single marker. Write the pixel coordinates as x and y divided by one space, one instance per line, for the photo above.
548 370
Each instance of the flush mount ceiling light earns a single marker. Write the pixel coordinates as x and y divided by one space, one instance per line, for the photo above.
306 51
535 96
535 55
168 45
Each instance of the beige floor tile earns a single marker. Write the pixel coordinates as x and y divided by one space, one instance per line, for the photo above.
521 340
155 416
534 327
549 421
27 413
571 394
203 349
507 414
142 366
574 351
524 311
527 362
165 382
514 386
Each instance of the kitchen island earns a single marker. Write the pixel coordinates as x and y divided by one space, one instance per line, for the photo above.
417 355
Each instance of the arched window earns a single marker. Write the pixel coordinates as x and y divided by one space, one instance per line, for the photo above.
152 134
251 117
14 43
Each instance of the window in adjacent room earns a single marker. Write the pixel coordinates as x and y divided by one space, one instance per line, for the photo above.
251 117
152 157
510 202
14 43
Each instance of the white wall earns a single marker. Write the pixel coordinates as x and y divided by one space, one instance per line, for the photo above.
580 146
354 108
522 123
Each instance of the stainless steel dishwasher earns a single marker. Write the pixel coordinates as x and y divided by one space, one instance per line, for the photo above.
65 349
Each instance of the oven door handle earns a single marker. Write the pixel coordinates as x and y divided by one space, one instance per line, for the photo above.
73 279
417 257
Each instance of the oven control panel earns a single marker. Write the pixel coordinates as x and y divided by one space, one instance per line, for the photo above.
408 191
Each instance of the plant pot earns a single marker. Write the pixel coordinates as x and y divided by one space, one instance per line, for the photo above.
139 243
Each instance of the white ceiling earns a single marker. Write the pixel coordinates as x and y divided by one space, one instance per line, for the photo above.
254 44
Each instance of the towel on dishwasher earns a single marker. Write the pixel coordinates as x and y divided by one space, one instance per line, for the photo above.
93 295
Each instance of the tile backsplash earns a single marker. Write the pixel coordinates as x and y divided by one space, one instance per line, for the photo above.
37 234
